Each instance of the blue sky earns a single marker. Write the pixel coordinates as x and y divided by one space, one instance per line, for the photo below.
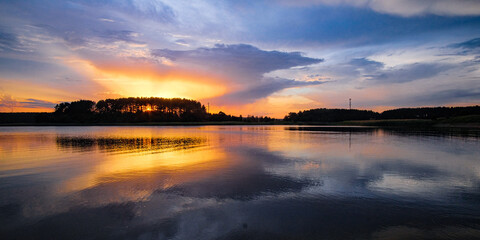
243 57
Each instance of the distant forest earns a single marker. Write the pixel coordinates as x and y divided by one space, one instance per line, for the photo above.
154 109
338 115
330 115
128 110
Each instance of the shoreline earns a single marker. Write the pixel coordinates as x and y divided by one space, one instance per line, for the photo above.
410 123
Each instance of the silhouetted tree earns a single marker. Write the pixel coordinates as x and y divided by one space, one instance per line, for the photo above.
77 111
62 107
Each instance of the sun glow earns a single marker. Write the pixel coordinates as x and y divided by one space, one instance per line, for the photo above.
166 87
147 81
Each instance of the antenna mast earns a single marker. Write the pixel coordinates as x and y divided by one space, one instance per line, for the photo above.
350 103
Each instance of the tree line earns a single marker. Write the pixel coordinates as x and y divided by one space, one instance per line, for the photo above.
338 115
141 109
430 112
330 115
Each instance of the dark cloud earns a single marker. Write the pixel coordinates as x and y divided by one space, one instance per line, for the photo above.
470 44
446 96
7 101
376 72
469 47
435 97
244 65
36 103
239 58
366 64
270 86
350 70
409 73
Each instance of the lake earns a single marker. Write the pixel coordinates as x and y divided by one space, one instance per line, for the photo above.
239 182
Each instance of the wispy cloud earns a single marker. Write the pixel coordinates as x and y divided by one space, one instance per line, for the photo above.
446 96
8 103
36 103
470 44
409 73
406 8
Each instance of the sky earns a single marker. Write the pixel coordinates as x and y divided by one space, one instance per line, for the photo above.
242 57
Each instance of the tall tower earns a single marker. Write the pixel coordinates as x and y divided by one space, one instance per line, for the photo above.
350 103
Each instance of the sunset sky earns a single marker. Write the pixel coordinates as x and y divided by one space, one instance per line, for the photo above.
243 57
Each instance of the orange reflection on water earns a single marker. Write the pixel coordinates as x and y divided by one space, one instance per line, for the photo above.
176 166
26 153
139 160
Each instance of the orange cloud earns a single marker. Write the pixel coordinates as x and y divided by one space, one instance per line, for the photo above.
146 80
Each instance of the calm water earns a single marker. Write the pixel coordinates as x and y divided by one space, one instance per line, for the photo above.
238 182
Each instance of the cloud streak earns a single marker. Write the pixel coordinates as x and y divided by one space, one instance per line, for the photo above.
409 73
470 44
262 90
8 103
36 103
406 8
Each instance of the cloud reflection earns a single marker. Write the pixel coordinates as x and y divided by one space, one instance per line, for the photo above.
234 182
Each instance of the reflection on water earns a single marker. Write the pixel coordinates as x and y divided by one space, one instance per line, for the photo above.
239 182
129 144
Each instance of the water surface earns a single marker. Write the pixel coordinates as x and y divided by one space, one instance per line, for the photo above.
238 182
